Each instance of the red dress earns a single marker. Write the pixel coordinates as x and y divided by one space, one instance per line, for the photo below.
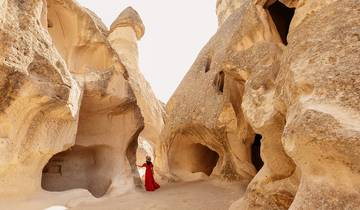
150 184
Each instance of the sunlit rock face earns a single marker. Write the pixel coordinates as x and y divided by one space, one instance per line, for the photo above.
110 119
73 101
318 91
256 58
125 31
285 70
206 107
300 96
38 98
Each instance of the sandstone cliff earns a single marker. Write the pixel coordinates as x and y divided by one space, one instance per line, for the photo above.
271 101
125 31
72 107
287 72
39 99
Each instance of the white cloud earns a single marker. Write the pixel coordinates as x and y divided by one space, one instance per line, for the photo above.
176 30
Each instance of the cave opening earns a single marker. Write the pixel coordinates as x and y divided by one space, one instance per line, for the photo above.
219 81
204 159
78 167
208 65
192 157
255 152
281 16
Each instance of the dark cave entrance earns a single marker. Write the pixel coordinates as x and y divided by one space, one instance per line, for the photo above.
79 167
203 158
282 16
219 81
192 157
255 152
208 65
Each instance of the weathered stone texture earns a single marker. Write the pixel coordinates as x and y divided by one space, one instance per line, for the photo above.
39 100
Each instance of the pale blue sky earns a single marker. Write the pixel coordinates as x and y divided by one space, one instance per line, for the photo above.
176 30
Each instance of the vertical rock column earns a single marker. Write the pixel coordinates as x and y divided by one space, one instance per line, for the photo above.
125 31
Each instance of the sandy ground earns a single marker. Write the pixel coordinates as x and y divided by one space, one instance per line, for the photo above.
195 195
198 195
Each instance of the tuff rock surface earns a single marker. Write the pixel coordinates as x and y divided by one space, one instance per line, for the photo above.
70 102
271 101
125 31
39 99
287 70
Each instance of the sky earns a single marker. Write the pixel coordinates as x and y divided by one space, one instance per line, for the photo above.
175 32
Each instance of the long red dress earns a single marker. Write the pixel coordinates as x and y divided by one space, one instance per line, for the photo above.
150 184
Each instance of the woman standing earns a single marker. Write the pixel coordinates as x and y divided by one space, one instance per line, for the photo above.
150 184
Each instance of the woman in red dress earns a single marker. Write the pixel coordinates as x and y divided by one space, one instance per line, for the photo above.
150 184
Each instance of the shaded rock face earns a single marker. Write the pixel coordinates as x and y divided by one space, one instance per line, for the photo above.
38 98
70 105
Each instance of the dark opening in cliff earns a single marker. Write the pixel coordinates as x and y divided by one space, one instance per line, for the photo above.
208 65
78 167
190 157
219 81
255 152
204 159
281 15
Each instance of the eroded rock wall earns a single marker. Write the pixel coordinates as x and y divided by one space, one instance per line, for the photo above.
124 34
318 91
71 107
299 103
110 120
206 107
285 70
39 99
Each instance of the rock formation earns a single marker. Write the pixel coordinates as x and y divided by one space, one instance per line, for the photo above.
318 92
39 99
287 100
272 100
285 70
72 107
125 31
205 116
257 57
110 119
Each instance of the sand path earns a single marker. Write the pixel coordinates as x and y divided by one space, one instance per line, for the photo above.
200 195
195 195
